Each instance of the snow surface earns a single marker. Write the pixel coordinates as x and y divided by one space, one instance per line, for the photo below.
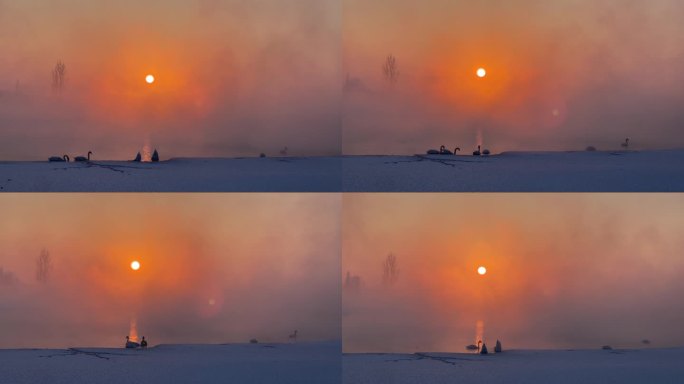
647 171
290 174
315 362
522 366
623 171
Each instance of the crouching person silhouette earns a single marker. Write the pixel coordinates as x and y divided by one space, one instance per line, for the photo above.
131 344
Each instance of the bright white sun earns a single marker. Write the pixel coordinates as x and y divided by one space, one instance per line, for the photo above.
149 79
481 72
481 270
135 265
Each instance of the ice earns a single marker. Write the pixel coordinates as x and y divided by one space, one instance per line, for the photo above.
621 171
518 366
657 171
310 362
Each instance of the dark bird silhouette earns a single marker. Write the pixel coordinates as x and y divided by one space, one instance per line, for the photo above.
626 143
83 158
442 151
155 156
497 348
477 153
484 351
138 158
485 152
58 159
293 336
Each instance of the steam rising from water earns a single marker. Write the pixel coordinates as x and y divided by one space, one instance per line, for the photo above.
217 268
561 271
133 330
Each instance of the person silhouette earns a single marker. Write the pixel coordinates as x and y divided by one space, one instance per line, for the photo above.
131 344
143 343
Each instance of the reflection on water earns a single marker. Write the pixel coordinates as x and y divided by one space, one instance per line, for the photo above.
147 151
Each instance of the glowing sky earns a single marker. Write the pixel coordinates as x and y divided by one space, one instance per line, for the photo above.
560 74
237 78
232 77
563 270
213 268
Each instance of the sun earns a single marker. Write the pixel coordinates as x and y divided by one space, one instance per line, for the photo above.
481 72
481 270
135 265
149 79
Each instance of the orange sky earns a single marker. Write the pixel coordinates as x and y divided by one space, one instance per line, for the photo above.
561 270
233 78
214 268
561 75
237 78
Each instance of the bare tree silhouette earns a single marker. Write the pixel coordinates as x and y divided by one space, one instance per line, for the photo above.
43 266
58 76
390 69
352 282
390 269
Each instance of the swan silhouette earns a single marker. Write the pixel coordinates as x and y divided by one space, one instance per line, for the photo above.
64 158
626 143
155 156
138 158
485 152
83 158
442 151
293 336
477 153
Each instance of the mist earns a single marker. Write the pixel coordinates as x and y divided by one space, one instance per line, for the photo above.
563 271
214 268
560 76
233 78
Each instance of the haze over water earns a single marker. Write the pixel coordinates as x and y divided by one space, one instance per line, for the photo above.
562 271
213 268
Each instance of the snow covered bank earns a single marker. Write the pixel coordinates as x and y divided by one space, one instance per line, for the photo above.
291 174
647 171
525 366
234 363
518 172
